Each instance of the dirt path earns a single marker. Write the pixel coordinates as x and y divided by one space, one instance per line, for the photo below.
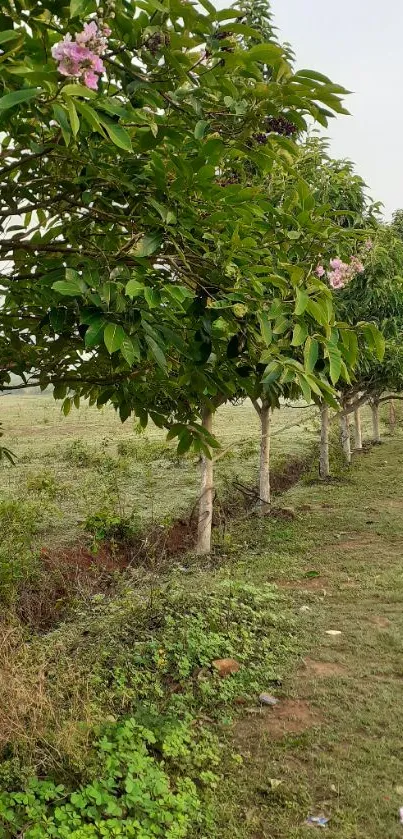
334 744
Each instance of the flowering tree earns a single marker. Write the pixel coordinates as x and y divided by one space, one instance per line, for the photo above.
131 223
377 296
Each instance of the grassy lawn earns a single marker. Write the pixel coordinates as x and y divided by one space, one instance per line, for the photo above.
334 741
271 590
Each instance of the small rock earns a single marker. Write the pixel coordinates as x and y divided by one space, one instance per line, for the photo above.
267 699
333 632
305 609
226 666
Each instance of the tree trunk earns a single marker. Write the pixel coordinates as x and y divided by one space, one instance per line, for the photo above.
392 417
203 545
376 433
324 465
345 437
357 430
264 473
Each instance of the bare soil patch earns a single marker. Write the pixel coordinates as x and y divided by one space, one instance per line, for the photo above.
323 669
380 622
290 716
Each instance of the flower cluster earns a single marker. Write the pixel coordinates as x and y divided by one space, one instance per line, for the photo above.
81 59
341 272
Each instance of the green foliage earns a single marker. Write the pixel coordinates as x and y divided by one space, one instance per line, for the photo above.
20 522
145 648
139 787
117 266
105 524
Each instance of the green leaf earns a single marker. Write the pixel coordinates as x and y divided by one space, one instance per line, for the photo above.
267 53
94 333
67 406
266 329
89 115
114 335
200 128
318 310
130 349
147 245
76 7
62 120
334 357
374 338
299 334
72 286
311 352
281 325
152 297
301 301
73 117
157 353
272 372
10 35
78 90
134 288
17 97
305 387
119 136
185 442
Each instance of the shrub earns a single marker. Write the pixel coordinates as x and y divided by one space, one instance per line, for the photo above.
109 525
138 788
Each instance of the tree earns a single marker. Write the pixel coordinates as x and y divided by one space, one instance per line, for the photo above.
377 296
129 241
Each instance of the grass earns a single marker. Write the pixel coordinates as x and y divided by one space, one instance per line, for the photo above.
89 461
266 597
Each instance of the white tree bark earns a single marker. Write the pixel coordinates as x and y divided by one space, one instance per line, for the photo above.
324 465
264 473
376 432
392 417
345 437
357 429
203 545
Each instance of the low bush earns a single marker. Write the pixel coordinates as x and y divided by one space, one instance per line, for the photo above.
141 784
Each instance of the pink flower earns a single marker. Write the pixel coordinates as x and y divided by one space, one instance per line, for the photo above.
320 271
357 265
368 244
336 263
106 30
80 59
59 50
335 279
90 80
97 65
89 33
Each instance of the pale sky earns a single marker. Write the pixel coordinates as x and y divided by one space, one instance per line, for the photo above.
359 44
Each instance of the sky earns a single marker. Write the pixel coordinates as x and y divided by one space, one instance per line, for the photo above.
357 43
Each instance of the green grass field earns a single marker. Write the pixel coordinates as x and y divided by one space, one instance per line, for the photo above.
89 461
142 647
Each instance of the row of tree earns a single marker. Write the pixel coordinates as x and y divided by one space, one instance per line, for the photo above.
171 237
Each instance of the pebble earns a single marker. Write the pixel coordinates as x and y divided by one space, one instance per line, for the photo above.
267 699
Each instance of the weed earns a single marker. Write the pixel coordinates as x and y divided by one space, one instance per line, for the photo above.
110 526
142 783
